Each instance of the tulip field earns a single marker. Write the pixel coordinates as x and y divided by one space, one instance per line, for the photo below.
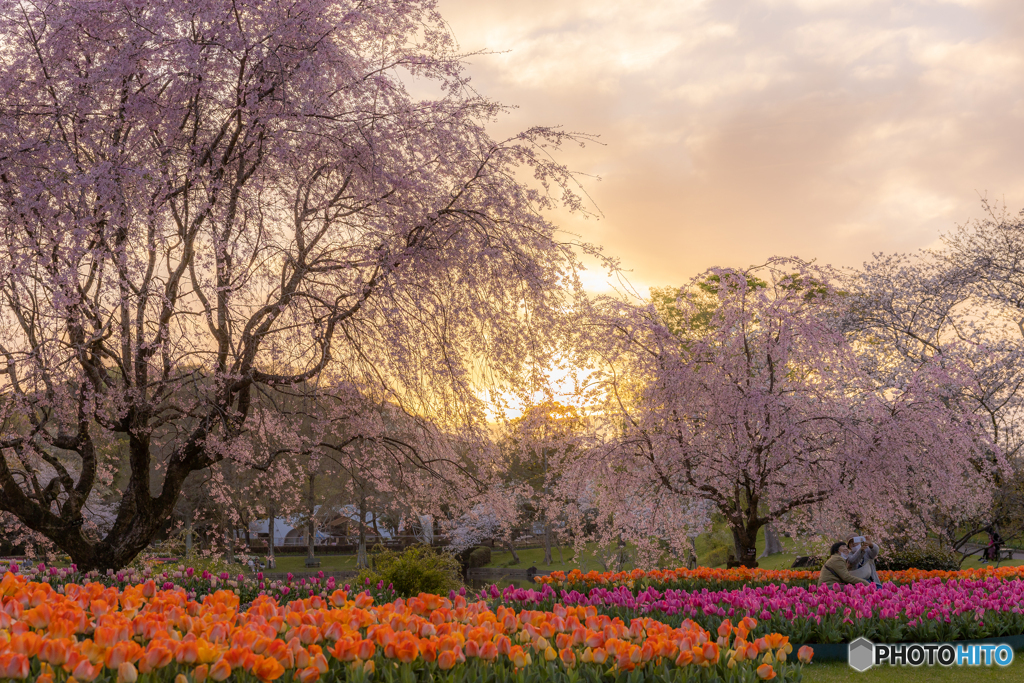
706 577
924 611
183 626
142 632
911 606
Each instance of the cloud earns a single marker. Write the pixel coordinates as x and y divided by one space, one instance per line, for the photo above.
734 130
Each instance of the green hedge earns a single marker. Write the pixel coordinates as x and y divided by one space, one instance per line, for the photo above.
717 556
899 560
480 556
417 569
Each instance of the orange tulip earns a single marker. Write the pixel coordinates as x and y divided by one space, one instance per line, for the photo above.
407 651
446 659
765 672
218 632
188 653
308 675
127 673
220 670
804 654
568 657
268 669
156 657
235 657
54 652
14 665
709 654
309 634
489 651
38 617
27 644
365 649
86 670
428 649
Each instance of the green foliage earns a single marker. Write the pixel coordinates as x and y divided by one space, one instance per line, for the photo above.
712 284
417 569
718 556
213 564
479 557
911 558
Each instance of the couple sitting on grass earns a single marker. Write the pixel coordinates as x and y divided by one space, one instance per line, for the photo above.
851 562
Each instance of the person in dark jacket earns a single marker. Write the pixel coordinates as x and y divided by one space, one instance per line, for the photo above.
835 569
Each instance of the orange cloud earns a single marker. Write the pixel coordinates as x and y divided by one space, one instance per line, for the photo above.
736 130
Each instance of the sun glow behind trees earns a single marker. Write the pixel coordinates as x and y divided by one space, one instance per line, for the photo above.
246 241
251 187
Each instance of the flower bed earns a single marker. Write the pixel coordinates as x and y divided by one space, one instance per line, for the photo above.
199 584
721 579
927 610
94 632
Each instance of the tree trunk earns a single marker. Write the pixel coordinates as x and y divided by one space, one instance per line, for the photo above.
271 561
547 545
376 531
744 538
229 535
772 543
188 536
691 554
361 560
310 525
512 549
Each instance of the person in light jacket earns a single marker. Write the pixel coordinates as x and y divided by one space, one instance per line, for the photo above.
835 569
861 561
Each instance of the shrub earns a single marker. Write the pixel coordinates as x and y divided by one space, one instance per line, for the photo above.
899 560
417 569
479 557
717 556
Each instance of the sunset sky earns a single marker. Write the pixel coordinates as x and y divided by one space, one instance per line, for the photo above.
737 130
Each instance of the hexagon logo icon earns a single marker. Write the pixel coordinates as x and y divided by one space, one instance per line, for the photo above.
861 654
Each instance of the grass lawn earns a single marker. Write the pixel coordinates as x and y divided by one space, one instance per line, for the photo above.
297 563
534 557
835 672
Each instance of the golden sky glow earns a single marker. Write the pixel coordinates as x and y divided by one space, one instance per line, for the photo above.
738 130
